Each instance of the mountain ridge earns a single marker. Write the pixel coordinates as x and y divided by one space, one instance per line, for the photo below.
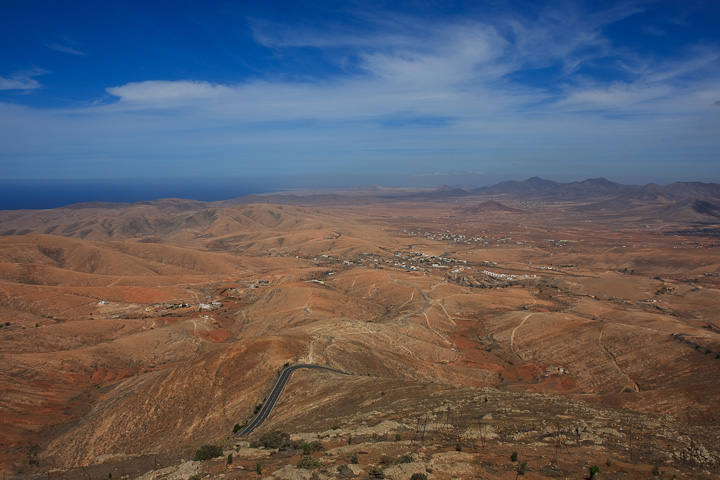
183 219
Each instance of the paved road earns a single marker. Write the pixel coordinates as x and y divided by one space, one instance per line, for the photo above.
275 395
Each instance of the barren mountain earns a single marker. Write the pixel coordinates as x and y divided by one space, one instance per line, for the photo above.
489 206
531 186
556 330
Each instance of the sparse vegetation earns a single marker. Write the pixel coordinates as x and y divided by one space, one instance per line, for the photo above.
275 439
237 428
206 452
353 458
513 457
281 441
376 472
594 470
309 463
407 458
258 468
314 446
32 455
229 459
418 476
397 437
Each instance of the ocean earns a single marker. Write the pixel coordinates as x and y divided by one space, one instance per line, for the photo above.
43 194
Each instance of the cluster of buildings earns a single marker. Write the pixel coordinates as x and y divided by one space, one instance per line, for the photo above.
447 237
505 276
210 306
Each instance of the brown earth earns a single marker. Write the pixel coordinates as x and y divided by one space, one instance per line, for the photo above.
124 339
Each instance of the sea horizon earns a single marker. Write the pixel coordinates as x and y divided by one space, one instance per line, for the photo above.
47 194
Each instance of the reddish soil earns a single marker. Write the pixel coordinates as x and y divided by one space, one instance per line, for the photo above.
120 346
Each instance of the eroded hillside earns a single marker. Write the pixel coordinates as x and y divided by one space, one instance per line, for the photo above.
154 339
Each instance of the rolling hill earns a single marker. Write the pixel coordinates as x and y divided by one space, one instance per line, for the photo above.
166 325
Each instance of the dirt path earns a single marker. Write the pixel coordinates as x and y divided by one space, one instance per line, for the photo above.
437 285
427 322
412 297
630 380
404 318
311 354
512 335
446 313
202 324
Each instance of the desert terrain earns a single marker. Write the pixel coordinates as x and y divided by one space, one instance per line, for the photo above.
574 325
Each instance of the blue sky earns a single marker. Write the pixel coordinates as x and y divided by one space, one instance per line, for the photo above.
343 93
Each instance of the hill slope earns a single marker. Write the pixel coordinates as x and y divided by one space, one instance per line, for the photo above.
123 348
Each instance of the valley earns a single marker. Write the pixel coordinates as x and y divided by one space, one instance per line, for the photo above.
540 322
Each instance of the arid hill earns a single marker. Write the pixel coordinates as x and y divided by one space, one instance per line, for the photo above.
573 336
488 206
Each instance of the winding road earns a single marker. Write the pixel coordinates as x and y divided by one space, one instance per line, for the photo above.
276 392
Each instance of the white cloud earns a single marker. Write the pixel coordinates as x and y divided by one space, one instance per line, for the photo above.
450 86
699 61
455 72
465 53
617 97
442 76
22 80
18 83
168 92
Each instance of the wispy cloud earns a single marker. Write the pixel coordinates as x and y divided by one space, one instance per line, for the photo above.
165 92
441 73
22 80
406 94
66 45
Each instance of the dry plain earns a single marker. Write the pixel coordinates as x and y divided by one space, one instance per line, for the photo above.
568 330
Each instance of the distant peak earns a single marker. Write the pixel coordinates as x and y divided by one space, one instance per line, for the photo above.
539 181
598 181
490 206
